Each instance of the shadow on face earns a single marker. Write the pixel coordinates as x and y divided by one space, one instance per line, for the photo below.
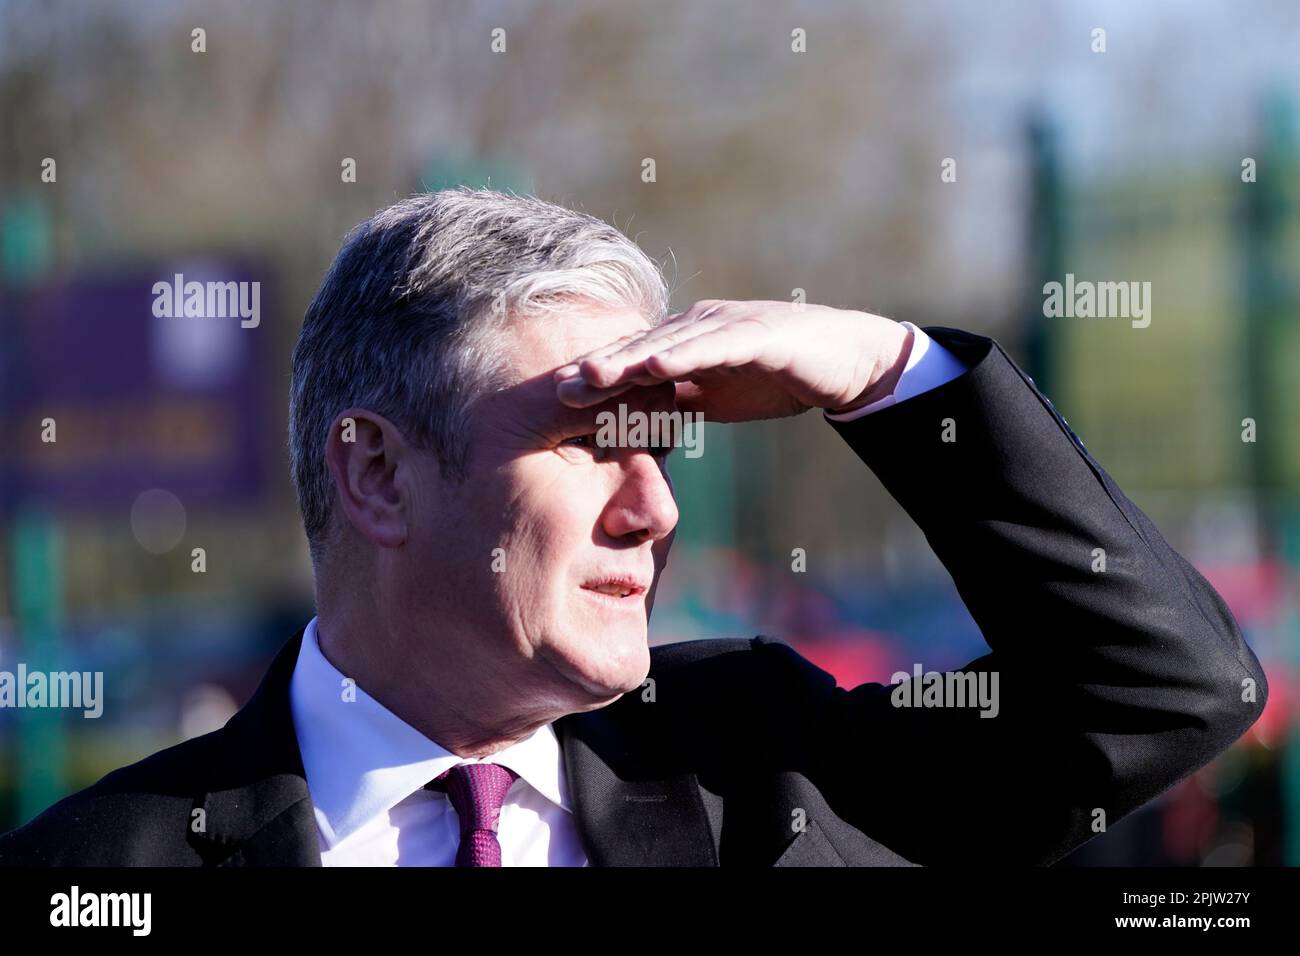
553 545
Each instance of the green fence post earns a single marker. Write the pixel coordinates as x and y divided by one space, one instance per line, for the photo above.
1046 254
1269 303
38 604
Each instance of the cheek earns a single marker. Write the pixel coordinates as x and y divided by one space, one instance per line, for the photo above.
558 541
545 514
561 503
562 533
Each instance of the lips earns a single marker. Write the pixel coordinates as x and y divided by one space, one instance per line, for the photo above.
617 586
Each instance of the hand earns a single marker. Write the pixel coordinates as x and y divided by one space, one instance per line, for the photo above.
739 361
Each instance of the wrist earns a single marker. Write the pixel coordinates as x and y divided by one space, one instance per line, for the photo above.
890 362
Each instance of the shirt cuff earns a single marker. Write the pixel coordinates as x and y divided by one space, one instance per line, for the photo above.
929 366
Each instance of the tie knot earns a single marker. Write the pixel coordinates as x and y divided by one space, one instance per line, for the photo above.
477 791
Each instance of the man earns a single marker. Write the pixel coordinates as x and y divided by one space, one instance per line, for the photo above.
477 688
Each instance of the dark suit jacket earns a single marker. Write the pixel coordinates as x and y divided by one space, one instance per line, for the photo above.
1113 686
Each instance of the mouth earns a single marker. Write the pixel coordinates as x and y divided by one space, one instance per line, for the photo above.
623 592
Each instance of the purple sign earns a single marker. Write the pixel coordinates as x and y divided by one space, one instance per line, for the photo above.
113 385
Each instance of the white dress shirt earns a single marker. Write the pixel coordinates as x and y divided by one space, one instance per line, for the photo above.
366 768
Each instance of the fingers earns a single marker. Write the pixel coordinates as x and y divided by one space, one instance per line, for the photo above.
618 366
717 349
689 397
568 371
720 348
672 327
579 394
624 363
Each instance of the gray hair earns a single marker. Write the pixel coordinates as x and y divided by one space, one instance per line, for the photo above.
408 319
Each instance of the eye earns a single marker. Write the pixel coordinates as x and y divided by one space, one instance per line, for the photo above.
661 452
589 443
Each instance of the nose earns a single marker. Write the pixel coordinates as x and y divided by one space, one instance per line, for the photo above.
643 507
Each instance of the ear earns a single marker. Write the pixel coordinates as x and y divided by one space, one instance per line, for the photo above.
370 462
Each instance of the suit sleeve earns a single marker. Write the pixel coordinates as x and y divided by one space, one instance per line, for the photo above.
1112 685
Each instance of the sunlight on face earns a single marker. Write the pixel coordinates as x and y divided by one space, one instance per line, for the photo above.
583 532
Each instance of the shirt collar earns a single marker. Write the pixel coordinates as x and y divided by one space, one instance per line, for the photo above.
361 759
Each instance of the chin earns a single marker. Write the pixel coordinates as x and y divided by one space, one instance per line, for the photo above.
623 680
609 670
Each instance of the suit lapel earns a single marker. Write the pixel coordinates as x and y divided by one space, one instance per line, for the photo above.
257 810
629 815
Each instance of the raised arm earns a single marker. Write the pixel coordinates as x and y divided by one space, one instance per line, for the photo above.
1112 684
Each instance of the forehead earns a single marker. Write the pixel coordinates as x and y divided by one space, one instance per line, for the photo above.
546 342
539 346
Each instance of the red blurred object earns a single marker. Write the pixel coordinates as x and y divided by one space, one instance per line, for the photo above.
854 655
1253 591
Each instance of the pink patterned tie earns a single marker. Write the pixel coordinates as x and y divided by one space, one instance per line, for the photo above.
476 790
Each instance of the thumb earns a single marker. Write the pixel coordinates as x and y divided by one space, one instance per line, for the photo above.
690 398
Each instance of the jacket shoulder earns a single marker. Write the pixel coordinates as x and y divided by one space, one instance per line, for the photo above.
727 696
762 658
685 652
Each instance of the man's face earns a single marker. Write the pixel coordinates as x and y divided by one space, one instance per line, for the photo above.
515 559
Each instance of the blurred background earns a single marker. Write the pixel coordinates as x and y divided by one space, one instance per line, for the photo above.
1163 149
